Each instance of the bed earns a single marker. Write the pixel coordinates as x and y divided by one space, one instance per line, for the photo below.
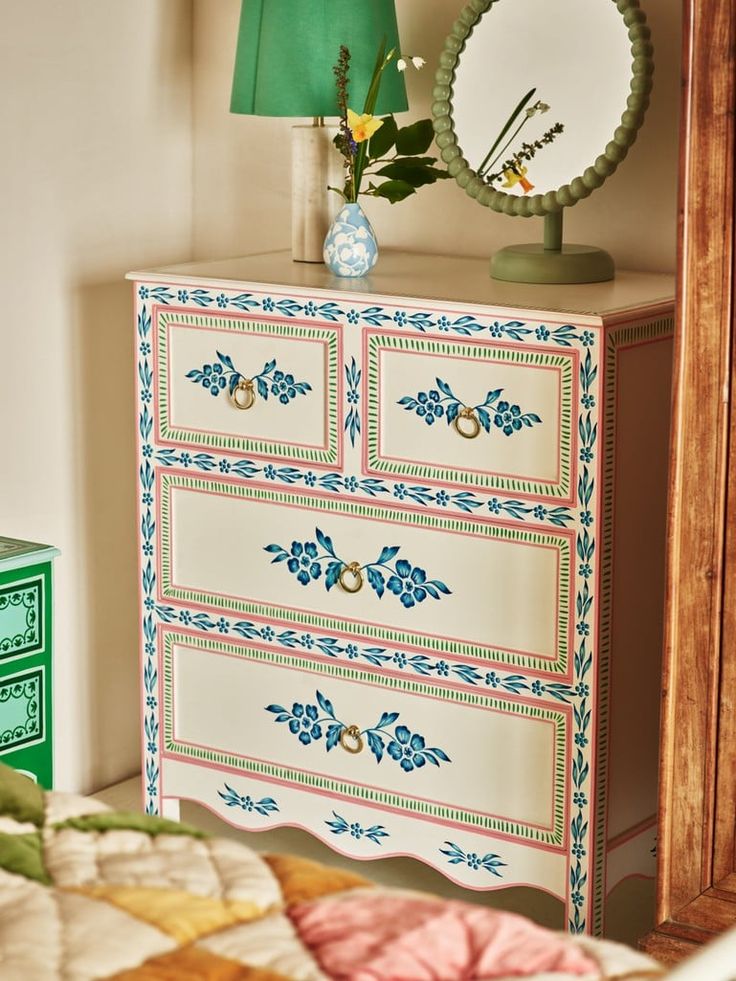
87 892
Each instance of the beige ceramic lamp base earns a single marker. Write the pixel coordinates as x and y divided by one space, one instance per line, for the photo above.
315 164
551 261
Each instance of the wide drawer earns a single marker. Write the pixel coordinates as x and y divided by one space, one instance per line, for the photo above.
265 387
457 758
421 580
483 415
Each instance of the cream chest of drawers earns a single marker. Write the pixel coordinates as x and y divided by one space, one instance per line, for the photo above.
401 570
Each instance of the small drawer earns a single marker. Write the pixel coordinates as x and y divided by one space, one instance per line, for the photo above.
265 387
23 710
458 758
498 417
24 597
471 588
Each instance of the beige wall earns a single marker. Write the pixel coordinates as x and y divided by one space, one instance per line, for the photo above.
95 178
241 173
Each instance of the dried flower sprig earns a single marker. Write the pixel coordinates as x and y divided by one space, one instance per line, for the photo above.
365 141
512 169
526 152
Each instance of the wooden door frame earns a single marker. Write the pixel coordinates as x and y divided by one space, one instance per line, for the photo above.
695 898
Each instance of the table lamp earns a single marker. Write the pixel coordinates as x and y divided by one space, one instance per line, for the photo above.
285 54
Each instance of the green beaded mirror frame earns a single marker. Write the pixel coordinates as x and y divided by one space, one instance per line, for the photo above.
538 263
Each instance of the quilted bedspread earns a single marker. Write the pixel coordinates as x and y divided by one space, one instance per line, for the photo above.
86 892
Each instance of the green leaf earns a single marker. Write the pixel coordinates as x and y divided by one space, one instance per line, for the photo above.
383 139
416 138
394 191
416 176
415 161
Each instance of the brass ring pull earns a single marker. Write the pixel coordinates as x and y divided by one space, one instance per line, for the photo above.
351 739
472 422
248 397
355 583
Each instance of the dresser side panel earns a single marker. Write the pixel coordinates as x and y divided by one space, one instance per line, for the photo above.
642 392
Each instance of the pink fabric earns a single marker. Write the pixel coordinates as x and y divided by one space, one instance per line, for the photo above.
400 938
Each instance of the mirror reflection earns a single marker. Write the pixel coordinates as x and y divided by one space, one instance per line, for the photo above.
539 90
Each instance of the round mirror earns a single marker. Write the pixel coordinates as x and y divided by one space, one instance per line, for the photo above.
537 103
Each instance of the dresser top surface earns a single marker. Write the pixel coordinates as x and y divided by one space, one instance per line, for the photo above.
14 549
430 277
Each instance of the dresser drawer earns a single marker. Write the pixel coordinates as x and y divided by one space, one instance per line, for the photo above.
289 719
472 415
426 581
252 386
23 710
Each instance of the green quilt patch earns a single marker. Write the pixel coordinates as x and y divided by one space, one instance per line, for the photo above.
20 798
23 855
129 821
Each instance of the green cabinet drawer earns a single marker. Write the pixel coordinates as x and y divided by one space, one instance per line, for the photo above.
26 658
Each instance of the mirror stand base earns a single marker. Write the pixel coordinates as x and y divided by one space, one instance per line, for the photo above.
535 264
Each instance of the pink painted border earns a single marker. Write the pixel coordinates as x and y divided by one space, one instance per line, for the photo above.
325 839
573 354
305 506
157 309
565 710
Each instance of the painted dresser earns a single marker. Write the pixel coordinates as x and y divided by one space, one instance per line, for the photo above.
401 570
26 657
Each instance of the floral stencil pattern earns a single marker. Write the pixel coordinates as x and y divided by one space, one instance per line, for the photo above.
442 402
309 723
340 827
408 583
264 807
222 374
456 856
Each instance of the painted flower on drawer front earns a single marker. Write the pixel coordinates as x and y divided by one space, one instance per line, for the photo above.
407 748
310 723
303 562
436 403
408 583
304 722
222 374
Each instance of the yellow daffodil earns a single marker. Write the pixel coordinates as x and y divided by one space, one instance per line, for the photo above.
363 127
517 176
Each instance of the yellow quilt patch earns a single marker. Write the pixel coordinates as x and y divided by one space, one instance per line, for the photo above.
178 914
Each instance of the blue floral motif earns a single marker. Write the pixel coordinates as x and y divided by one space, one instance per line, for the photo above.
335 483
409 584
410 750
465 326
222 374
442 401
407 749
264 806
340 827
490 862
352 418
302 562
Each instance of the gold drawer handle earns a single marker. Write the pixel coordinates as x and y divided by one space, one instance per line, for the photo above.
248 398
351 739
468 414
354 584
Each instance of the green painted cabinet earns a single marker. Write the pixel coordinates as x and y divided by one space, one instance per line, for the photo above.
26 623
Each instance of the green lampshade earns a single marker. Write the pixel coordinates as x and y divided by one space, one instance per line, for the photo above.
287 49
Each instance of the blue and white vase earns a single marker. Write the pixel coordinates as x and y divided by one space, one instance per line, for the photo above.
350 247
